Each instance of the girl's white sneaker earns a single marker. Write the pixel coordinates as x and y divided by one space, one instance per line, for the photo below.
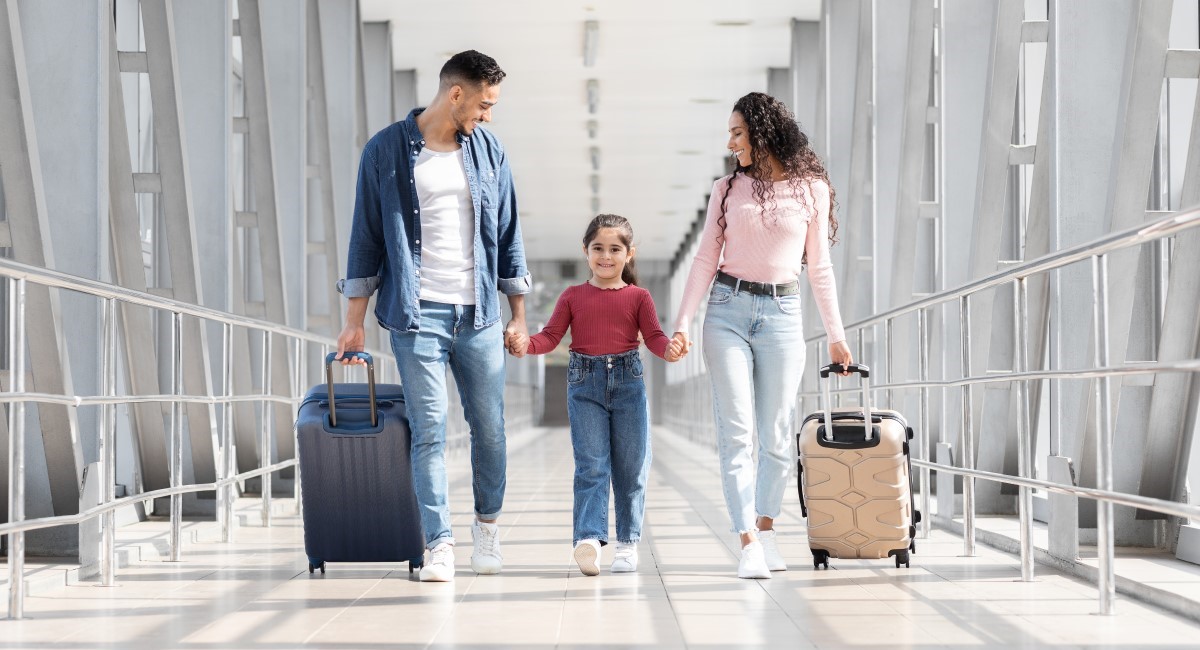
587 553
625 559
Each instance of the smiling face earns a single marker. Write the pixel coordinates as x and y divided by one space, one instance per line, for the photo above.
607 255
471 105
739 139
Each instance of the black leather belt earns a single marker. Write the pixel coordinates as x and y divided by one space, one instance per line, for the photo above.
759 288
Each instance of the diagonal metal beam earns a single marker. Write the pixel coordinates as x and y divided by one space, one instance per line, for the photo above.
158 25
270 247
324 241
912 150
1137 122
1173 399
859 276
29 227
137 327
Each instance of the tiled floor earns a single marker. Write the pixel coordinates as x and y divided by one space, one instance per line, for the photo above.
256 592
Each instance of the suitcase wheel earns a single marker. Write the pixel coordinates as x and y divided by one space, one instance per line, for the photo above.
314 564
415 563
820 558
901 558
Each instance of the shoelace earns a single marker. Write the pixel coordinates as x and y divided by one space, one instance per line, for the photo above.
440 556
486 542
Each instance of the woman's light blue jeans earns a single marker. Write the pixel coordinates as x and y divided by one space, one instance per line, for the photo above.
754 349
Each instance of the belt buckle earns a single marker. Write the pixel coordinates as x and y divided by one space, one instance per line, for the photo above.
758 287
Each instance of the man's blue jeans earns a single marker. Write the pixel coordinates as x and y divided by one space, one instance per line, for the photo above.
448 336
610 434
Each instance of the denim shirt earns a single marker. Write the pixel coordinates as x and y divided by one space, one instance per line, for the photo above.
385 236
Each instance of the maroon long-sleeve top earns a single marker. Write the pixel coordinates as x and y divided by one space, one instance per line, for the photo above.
602 321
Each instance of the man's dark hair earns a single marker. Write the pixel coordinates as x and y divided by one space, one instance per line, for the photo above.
470 67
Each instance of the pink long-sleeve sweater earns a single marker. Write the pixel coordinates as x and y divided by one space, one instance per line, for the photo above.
766 248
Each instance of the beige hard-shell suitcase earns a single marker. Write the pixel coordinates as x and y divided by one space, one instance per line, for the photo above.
854 482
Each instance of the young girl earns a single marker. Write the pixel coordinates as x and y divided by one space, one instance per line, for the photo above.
606 397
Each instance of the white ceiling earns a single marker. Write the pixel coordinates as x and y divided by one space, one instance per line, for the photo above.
668 72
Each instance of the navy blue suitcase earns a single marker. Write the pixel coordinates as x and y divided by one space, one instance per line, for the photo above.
355 474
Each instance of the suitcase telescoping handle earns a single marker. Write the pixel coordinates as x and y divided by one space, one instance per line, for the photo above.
365 356
864 372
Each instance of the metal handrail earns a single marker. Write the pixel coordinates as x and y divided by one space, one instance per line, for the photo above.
1097 251
18 275
1164 227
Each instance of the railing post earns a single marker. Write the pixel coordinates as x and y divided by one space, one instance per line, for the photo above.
887 360
923 417
297 394
968 437
1024 435
108 447
1104 436
226 494
176 435
16 447
268 409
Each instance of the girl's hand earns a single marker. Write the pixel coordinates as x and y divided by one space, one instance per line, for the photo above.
685 344
840 353
518 344
674 352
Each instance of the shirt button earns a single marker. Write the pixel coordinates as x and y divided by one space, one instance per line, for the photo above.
418 241
414 210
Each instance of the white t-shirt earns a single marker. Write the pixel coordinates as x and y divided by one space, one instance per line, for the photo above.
447 228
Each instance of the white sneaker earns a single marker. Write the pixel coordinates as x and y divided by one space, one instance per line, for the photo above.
440 567
625 559
587 553
753 564
771 554
486 558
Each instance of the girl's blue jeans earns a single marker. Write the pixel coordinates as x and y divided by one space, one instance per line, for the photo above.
610 435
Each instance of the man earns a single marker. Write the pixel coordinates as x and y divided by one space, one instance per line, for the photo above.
436 232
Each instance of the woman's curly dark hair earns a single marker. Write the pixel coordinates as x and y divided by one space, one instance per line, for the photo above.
773 131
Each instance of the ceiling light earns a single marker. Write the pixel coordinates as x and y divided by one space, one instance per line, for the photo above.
593 95
704 100
592 127
591 33
681 186
594 181
595 204
690 152
731 23
594 155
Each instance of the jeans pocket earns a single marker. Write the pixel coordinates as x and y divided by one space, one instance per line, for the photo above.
789 304
720 295
574 376
635 367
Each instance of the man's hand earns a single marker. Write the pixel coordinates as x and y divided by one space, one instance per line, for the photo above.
352 339
517 344
514 333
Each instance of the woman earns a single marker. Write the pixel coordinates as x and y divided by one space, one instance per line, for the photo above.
764 222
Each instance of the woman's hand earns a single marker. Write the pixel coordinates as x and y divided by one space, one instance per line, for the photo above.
840 353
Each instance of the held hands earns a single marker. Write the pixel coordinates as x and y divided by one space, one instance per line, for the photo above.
840 353
679 347
516 339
